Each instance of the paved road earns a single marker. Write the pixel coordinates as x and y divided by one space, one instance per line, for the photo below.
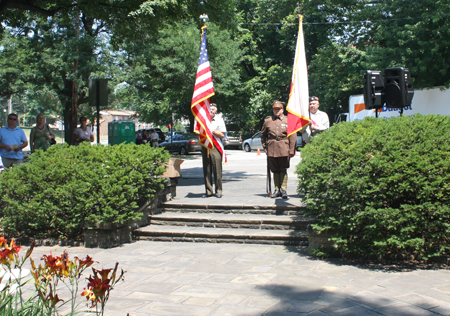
248 280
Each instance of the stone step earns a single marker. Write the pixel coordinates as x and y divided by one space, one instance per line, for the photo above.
276 224
223 209
231 220
224 235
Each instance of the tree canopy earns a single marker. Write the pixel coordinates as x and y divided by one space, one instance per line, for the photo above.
149 50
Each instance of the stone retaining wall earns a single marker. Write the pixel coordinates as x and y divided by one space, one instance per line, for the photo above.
319 241
107 235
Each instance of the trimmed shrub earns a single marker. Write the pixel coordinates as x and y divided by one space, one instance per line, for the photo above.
381 186
60 190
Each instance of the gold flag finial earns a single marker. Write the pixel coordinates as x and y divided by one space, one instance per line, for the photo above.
204 17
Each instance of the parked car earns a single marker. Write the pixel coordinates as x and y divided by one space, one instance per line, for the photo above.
181 144
168 134
300 142
254 142
233 139
194 144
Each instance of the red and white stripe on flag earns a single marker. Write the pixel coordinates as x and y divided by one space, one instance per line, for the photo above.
298 104
203 90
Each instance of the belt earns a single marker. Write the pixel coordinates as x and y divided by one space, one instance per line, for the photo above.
277 137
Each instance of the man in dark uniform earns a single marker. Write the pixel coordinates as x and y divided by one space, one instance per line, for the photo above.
278 147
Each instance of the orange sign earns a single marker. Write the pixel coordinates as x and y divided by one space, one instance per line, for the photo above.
361 106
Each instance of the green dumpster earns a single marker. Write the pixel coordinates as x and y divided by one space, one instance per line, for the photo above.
121 132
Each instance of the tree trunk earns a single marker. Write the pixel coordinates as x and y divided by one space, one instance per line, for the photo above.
74 112
70 121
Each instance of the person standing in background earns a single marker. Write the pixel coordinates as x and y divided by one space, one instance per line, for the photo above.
319 120
154 138
83 133
40 135
12 141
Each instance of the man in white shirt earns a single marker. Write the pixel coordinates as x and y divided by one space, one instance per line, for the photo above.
155 138
212 160
319 120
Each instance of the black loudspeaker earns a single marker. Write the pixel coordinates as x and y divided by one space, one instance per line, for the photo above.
398 87
373 89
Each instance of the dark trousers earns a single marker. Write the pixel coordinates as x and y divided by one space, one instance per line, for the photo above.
279 164
212 164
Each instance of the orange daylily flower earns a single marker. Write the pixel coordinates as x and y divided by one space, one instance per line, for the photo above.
103 273
88 293
49 260
4 256
100 284
86 262
90 296
13 247
99 287
7 252
59 265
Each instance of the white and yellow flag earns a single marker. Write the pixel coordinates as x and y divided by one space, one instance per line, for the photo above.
298 104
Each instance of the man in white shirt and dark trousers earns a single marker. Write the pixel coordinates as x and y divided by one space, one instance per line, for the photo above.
319 120
212 160
154 137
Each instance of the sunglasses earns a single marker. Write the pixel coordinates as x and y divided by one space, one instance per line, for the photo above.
12 119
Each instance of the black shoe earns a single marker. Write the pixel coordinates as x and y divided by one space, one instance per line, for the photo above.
206 196
275 194
284 194
218 195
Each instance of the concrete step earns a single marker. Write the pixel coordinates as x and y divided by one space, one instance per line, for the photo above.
231 220
224 235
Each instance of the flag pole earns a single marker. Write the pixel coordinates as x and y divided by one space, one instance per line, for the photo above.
204 17
299 21
298 106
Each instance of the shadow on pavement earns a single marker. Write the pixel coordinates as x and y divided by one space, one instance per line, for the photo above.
314 298
379 266
182 182
195 195
388 266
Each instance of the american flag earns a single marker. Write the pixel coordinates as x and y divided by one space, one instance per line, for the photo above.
204 89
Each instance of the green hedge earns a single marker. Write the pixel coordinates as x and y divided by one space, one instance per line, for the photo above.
381 186
58 191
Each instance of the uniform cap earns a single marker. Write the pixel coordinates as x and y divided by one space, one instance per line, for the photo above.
277 105
313 99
